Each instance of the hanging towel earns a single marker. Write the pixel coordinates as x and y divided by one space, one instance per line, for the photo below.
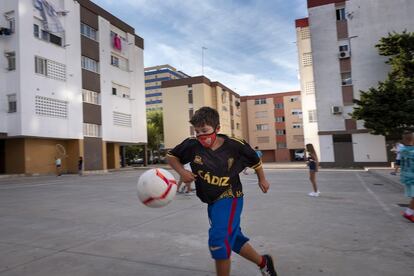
49 15
117 42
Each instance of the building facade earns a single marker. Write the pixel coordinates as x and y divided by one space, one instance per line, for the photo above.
337 59
154 76
273 123
78 90
182 97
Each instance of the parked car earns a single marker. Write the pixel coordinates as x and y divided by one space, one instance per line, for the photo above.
299 155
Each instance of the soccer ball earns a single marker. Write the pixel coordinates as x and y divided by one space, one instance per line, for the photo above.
156 188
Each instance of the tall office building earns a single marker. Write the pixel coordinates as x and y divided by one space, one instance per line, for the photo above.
273 123
337 59
154 75
73 86
182 97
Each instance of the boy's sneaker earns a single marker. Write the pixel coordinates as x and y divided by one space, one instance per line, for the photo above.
409 217
269 268
393 173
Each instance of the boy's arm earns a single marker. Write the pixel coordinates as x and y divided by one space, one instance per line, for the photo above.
263 184
186 176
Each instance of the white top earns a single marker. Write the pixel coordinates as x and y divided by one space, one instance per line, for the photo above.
398 148
58 162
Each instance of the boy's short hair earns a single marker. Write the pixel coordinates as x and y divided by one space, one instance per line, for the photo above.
205 116
408 137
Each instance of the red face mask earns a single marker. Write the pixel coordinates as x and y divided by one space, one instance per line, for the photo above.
207 140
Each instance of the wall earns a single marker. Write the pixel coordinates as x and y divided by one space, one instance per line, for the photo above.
293 134
34 84
133 79
252 108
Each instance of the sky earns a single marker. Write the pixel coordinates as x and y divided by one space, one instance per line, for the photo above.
251 44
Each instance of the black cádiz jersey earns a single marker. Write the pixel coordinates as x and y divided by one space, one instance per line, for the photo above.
217 170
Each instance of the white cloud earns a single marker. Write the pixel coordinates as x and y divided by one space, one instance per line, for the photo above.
250 47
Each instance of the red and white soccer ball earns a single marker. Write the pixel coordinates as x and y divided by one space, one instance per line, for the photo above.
156 188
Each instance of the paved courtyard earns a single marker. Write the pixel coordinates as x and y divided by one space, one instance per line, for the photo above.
94 225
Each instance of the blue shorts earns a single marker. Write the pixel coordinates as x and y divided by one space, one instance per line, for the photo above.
312 166
225 234
398 162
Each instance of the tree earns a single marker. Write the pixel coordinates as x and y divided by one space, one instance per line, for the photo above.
389 108
155 130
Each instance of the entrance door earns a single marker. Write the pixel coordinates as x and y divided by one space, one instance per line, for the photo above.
343 150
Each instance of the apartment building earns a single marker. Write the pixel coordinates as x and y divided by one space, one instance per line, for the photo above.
182 97
154 75
337 59
78 90
273 123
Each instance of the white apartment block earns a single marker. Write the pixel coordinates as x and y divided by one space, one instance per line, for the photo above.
337 59
71 85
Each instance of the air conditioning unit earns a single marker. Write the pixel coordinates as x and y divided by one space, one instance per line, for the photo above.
344 54
336 110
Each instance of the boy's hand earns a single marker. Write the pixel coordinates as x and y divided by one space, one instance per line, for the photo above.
187 176
264 185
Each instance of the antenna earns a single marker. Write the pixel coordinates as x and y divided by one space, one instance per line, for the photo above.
202 59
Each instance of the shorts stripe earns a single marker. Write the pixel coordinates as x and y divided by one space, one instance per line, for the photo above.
229 227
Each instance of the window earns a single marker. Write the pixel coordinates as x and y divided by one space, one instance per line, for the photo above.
343 48
307 59
90 64
90 96
115 61
279 106
36 30
11 21
297 125
262 127
41 66
312 116
280 119
12 103
122 119
261 114
340 14
346 78
192 131
11 60
237 126
296 112
46 36
89 32
280 132
120 62
55 39
51 107
310 87
121 91
262 140
190 96
260 101
294 99
281 145
91 130
49 68
190 113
